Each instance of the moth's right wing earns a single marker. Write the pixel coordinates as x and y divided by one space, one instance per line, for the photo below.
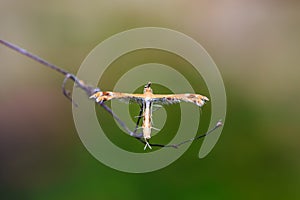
197 99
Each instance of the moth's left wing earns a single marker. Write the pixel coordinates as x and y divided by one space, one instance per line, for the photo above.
197 99
106 96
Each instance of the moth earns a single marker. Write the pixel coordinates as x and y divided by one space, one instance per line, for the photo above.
146 100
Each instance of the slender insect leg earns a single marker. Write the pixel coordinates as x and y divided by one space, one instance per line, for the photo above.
156 107
157 129
139 118
147 145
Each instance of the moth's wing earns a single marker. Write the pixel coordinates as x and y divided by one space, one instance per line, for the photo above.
197 99
125 97
131 98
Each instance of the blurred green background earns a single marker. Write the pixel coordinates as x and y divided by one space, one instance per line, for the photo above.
256 46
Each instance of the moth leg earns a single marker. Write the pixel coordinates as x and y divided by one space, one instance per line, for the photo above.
147 145
139 118
156 107
157 129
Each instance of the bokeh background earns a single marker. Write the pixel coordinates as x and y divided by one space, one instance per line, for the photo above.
256 46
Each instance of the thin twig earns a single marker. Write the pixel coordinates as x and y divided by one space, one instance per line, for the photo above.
67 74
218 124
79 83
133 134
34 57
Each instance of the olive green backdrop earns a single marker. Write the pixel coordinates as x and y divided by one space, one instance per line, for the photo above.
256 46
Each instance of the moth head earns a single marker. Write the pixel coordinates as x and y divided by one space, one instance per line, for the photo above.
147 87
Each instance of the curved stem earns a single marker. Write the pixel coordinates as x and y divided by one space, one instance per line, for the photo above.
88 89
